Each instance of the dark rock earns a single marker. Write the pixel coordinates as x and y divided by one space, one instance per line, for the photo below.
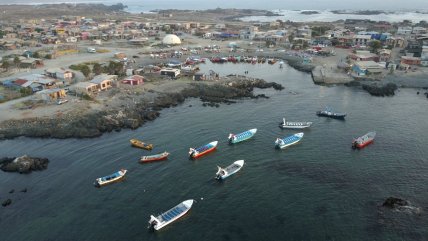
6 202
24 190
353 83
386 90
12 191
24 164
393 202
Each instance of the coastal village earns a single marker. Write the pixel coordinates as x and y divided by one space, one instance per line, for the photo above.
53 60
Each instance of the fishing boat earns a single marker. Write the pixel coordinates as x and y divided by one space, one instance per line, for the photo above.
140 144
156 223
288 141
152 158
110 178
200 151
294 125
363 141
329 113
241 136
223 173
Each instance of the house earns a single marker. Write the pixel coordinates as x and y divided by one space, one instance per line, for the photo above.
424 56
38 80
51 94
362 39
384 55
406 31
85 88
361 55
363 68
409 60
134 80
414 47
31 63
104 81
66 76
248 33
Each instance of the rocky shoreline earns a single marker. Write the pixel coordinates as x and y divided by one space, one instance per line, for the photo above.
95 123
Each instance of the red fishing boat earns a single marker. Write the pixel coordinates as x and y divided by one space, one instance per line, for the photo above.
363 141
200 151
152 158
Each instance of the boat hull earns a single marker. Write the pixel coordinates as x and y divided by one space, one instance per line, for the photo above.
140 144
233 139
99 182
203 153
230 170
333 116
147 159
203 150
288 141
166 218
363 141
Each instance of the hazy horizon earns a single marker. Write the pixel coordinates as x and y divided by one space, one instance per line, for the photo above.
254 4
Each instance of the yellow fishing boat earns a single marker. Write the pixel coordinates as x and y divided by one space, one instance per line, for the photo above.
140 144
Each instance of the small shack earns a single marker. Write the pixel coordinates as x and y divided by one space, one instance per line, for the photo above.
134 80
199 76
174 73
85 88
104 81
51 94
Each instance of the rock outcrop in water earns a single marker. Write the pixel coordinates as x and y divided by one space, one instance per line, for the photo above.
7 202
402 205
23 164
393 202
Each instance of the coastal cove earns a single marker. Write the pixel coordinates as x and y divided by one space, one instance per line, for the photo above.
319 189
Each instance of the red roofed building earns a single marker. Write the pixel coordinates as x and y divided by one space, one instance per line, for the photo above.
134 80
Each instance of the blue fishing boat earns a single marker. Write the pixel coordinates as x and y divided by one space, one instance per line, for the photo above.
241 136
288 141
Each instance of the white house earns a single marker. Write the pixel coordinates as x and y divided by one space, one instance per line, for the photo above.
404 30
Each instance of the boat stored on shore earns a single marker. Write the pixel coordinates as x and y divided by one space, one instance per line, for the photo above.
110 178
200 151
241 136
156 223
363 141
140 144
329 113
294 125
223 173
152 158
288 141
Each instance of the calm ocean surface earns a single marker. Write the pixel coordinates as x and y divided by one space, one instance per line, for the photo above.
319 189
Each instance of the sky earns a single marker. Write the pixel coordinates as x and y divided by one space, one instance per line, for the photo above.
258 4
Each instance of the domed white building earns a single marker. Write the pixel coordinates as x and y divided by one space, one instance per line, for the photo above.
171 39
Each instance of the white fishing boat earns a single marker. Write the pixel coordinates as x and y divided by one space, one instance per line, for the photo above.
156 223
288 141
223 173
294 125
110 178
